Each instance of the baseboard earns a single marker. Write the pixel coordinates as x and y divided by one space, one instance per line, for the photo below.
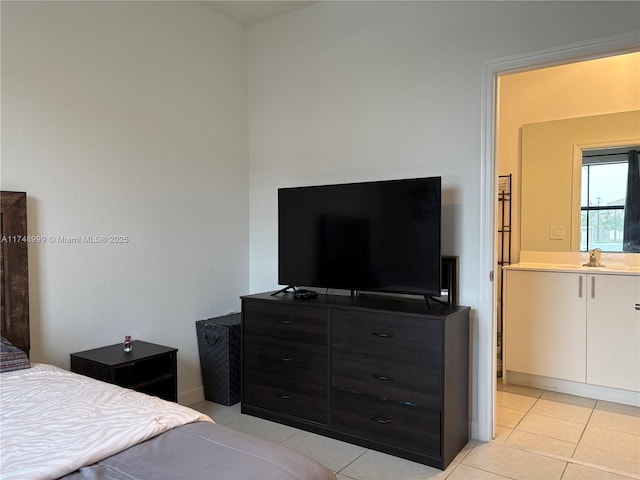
597 392
189 397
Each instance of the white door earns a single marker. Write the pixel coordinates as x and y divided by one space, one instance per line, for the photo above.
545 324
613 331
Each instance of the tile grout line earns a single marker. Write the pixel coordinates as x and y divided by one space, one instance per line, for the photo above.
566 460
525 414
352 461
572 460
564 470
615 429
291 436
575 450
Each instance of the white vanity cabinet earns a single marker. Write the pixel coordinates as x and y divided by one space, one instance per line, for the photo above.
545 323
613 331
575 326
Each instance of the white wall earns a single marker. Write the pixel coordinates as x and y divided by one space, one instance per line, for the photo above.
354 91
131 118
128 118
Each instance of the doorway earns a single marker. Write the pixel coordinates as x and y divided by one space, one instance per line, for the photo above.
579 90
493 71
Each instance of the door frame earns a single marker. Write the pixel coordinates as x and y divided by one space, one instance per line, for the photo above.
491 70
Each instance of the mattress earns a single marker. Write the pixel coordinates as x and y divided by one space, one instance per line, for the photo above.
205 451
55 423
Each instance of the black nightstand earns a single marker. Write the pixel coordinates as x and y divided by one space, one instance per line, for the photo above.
148 368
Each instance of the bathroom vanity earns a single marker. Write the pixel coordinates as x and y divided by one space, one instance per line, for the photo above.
574 328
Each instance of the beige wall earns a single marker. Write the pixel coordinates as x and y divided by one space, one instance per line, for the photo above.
596 87
551 162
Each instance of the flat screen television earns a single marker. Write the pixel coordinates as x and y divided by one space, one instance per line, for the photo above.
381 236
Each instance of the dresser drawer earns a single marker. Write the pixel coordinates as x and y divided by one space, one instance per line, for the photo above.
394 379
411 428
301 323
298 399
386 335
270 358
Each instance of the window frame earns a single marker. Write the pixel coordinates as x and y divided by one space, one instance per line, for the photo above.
597 157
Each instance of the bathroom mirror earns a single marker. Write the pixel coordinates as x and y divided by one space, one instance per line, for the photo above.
551 174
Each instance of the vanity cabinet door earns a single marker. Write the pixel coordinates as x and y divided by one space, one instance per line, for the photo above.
613 331
545 324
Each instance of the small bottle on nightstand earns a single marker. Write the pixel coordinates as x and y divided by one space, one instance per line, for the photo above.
128 343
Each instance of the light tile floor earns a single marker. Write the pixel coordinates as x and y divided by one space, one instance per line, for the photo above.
539 435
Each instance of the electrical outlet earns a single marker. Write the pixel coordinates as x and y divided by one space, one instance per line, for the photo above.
556 232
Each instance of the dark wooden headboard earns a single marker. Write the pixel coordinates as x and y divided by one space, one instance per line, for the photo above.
14 272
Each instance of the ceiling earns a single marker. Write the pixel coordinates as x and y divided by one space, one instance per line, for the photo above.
252 12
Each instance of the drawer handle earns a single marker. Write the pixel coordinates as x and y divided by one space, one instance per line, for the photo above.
285 359
381 377
285 322
380 420
284 396
382 335
637 306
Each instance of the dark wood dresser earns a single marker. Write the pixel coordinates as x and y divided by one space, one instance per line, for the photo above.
385 373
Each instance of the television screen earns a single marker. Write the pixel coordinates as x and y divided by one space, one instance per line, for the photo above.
374 236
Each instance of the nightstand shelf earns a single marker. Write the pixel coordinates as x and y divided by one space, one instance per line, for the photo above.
148 368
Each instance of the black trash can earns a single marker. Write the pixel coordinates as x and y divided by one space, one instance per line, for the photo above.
219 345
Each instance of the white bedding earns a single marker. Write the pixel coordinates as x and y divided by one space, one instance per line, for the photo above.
54 421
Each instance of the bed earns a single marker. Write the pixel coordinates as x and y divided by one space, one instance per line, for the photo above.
58 424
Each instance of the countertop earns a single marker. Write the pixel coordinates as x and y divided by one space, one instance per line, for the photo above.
554 267
573 262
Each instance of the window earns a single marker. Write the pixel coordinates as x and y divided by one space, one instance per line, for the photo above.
603 192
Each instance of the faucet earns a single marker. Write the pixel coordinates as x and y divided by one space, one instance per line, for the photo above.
594 258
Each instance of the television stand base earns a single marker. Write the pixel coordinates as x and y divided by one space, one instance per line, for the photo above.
437 300
297 292
283 290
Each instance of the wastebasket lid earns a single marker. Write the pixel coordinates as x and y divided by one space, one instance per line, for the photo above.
225 320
